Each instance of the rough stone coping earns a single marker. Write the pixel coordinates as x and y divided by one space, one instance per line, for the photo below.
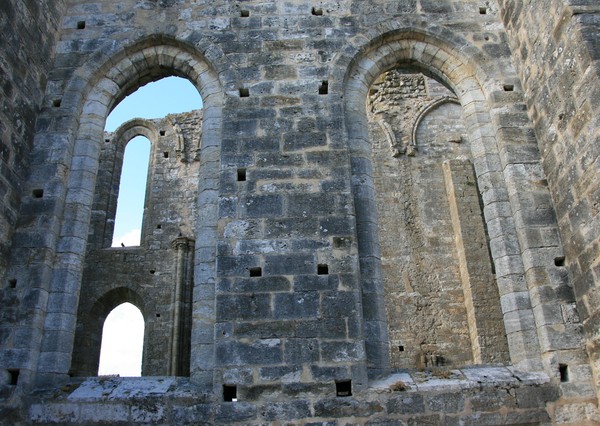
114 388
453 380
398 398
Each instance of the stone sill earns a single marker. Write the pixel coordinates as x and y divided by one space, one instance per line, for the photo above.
115 388
459 379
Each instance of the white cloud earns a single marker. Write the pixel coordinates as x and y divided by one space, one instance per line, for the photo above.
129 239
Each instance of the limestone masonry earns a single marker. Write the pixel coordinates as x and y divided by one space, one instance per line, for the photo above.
386 212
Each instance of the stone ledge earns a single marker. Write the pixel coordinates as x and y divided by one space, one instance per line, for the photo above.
465 378
498 394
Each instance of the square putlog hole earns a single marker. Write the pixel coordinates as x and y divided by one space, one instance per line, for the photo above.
324 88
256 272
343 388
229 393
241 174
563 370
244 93
13 378
322 269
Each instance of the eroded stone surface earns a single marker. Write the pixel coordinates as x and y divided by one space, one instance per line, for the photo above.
402 193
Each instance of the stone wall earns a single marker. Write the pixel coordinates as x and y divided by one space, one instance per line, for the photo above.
29 34
559 65
488 396
303 289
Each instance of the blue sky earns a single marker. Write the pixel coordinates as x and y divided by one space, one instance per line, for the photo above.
123 331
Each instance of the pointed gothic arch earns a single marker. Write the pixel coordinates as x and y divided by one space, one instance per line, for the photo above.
87 357
92 93
444 55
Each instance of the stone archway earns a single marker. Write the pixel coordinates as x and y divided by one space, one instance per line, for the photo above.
86 358
460 67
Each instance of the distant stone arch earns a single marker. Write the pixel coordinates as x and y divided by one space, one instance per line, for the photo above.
440 53
424 112
109 176
122 347
132 128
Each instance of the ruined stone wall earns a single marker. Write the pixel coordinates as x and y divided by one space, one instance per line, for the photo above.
29 33
416 127
156 276
559 65
297 308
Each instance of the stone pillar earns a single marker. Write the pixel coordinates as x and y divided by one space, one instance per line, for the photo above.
482 299
181 303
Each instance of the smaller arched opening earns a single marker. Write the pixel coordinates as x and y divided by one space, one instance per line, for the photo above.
122 185
89 333
133 181
122 342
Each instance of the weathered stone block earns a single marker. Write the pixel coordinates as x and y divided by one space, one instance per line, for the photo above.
332 351
262 205
258 352
292 264
243 307
296 305
346 407
286 411
231 412
446 403
406 404
533 397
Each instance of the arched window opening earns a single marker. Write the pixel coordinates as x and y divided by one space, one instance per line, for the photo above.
169 95
132 193
122 342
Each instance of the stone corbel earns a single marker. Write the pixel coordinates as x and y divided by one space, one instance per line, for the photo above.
396 148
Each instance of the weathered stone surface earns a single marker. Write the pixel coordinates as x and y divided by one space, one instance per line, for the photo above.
372 203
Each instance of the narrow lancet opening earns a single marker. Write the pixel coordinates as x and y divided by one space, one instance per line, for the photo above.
132 193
